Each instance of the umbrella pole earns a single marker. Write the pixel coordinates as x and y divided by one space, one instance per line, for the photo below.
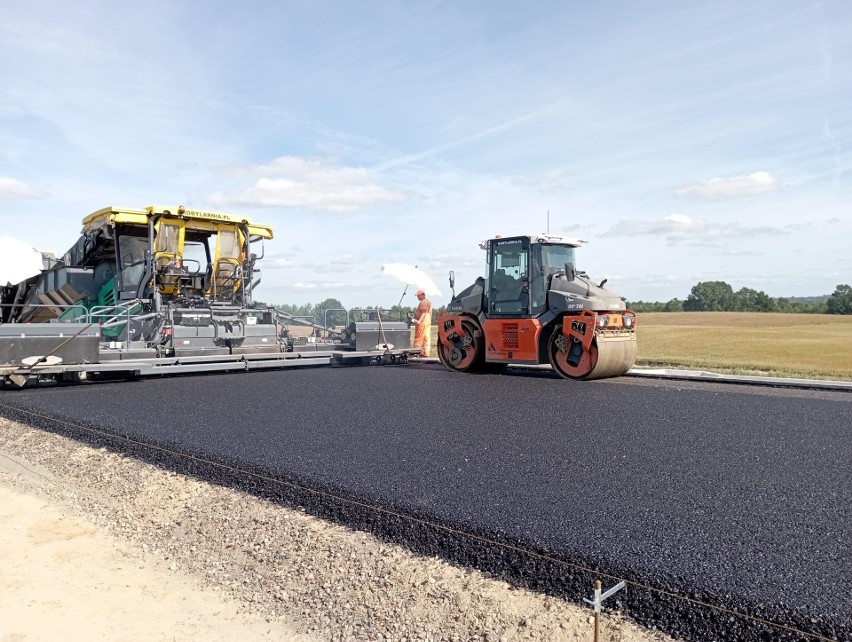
399 305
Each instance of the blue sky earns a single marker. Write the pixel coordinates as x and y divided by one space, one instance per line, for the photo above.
686 141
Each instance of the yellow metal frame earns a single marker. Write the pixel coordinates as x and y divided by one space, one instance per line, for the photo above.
167 260
200 220
227 270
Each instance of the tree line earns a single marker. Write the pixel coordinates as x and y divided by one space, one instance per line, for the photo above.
707 296
718 296
331 312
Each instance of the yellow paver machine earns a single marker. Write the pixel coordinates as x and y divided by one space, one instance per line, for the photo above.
164 290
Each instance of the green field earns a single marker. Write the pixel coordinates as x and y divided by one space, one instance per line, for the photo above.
814 346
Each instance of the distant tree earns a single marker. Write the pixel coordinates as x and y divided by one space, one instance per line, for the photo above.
304 310
336 313
638 306
363 313
719 296
793 306
673 305
748 300
710 296
840 302
644 306
399 312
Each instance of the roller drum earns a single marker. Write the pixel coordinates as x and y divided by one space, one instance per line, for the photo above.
616 355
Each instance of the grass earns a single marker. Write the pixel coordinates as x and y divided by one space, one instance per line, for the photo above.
803 346
813 346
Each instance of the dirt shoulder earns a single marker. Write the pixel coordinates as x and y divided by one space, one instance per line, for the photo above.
65 579
97 546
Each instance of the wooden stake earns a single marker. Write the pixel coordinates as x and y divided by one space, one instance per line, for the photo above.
597 611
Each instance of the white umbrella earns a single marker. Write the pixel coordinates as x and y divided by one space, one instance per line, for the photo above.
18 260
412 275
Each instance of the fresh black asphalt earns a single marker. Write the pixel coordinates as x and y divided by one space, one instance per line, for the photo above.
735 496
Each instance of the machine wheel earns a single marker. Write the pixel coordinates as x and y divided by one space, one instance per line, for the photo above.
606 358
568 358
467 353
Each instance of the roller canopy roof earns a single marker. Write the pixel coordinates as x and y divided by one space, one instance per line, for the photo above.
538 238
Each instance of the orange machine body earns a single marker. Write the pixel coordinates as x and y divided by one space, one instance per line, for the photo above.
534 307
512 340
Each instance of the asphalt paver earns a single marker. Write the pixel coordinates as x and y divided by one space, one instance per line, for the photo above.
721 505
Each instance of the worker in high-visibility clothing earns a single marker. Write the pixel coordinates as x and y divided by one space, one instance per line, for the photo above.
423 324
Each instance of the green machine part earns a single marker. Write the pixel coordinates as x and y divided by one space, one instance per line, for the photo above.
108 298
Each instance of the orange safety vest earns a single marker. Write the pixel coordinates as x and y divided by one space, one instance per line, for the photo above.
423 328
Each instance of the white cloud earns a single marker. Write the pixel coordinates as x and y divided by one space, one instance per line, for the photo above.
736 252
347 259
440 261
734 187
549 182
320 285
279 262
681 229
680 220
304 183
13 188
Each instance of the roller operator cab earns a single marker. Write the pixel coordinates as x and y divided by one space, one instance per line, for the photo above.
535 307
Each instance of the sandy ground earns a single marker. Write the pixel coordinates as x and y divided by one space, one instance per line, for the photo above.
64 579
